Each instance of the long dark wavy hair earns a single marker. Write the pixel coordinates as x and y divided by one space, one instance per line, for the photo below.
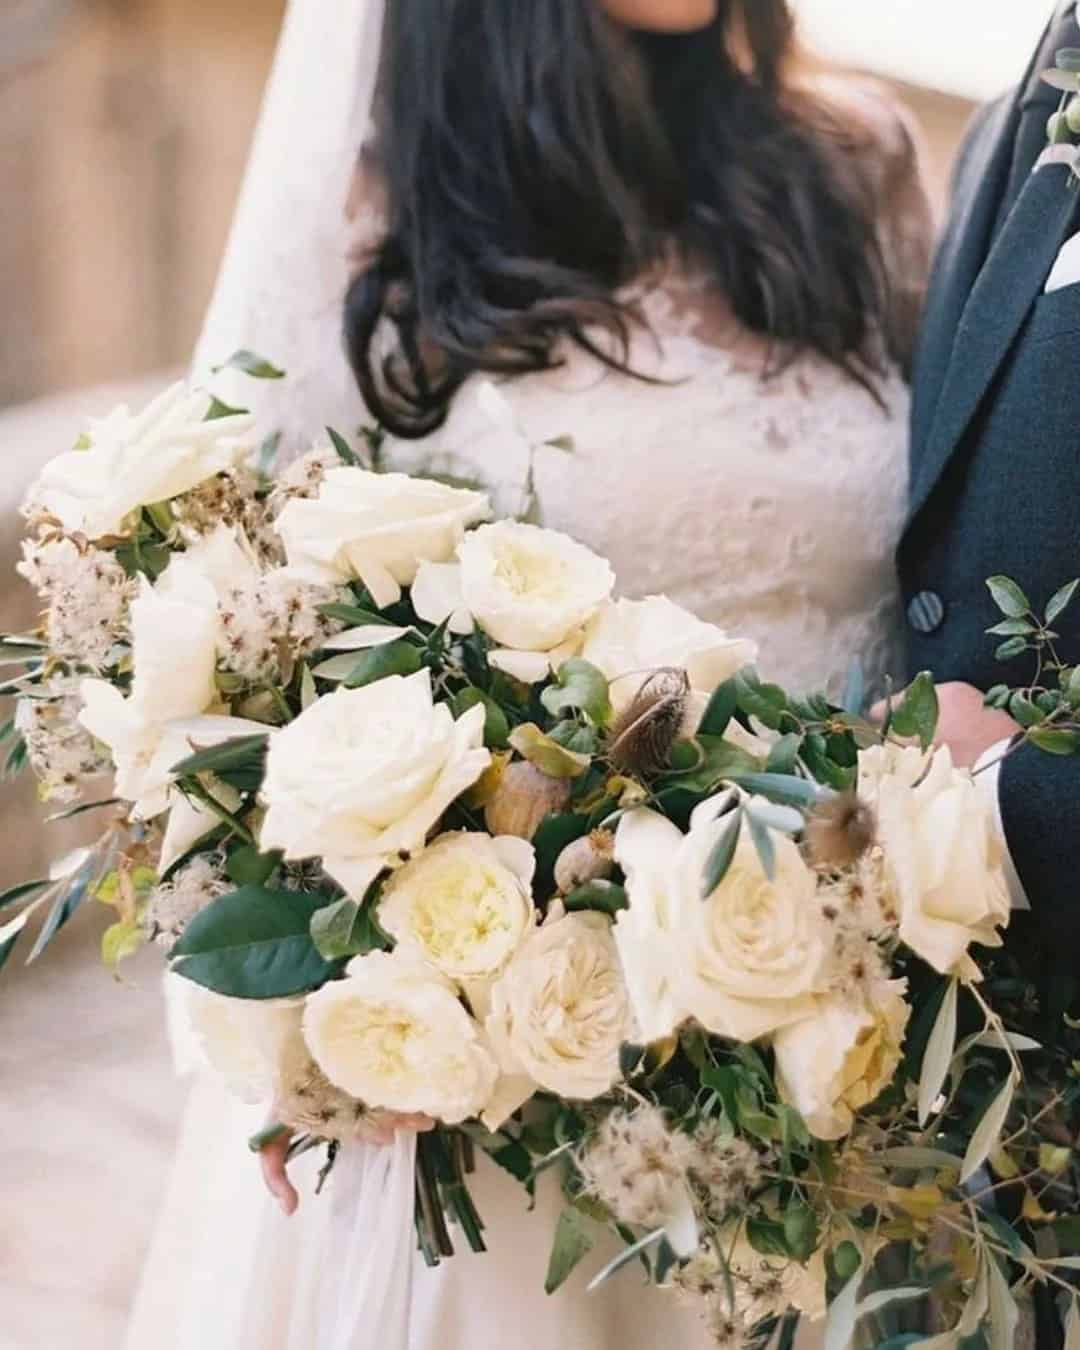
534 157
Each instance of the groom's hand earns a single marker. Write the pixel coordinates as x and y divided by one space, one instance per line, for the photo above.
965 724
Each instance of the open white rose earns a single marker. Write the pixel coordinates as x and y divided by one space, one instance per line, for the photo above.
463 904
943 854
560 1012
377 528
395 1035
842 1058
244 1040
629 639
134 461
364 774
744 960
531 590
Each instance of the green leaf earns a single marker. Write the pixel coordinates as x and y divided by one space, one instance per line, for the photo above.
393 658
1055 742
603 897
1008 597
840 1326
496 723
989 1129
1013 628
784 755
939 1053
342 929
355 616
572 1243
121 940
345 452
767 1236
548 756
766 702
552 836
218 410
1011 648
915 1158
846 1260
719 761
783 789
998 696
579 685
1003 1316
917 714
800 1230
71 894
720 710
21 892
254 943
763 842
246 866
1024 711
252 364
722 853
240 762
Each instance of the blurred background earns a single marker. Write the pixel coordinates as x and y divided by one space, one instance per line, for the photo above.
123 131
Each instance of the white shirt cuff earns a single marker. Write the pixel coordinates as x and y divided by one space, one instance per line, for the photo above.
988 783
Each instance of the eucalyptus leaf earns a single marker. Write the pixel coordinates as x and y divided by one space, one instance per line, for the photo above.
763 842
573 1242
722 853
626 1257
1008 597
781 788
939 1053
784 754
989 1129
254 943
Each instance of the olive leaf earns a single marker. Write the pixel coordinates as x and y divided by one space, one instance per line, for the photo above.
572 1243
939 1053
989 1129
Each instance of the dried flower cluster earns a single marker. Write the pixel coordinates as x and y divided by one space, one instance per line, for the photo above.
62 753
172 905
86 594
271 622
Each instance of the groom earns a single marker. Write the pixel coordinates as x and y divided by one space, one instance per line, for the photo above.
996 474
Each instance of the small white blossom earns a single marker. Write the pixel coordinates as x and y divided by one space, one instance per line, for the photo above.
726 1171
61 751
637 1166
87 594
172 906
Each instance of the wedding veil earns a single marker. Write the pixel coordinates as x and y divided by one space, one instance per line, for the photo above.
283 279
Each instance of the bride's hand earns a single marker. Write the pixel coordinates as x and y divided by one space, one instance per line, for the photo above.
273 1156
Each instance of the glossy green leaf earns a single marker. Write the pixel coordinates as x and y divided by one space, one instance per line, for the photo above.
240 762
579 686
1054 741
720 710
394 658
254 943
496 724
917 713
1008 597
246 866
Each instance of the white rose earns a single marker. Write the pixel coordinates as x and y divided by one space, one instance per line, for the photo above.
174 634
743 961
135 461
395 1035
376 527
943 853
531 590
463 904
244 1040
560 1012
629 639
364 774
842 1058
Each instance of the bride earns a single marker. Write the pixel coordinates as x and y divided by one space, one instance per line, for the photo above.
639 272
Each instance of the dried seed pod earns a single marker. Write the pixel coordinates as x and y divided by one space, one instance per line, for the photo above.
589 859
523 797
840 831
645 732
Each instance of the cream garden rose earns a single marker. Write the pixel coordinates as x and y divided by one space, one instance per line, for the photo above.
363 775
628 639
832 1064
377 528
394 1034
560 1012
943 853
464 904
744 960
529 589
130 461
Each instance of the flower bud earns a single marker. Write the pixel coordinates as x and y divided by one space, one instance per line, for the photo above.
523 798
589 859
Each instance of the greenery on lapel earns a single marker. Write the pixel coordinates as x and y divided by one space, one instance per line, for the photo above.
1063 127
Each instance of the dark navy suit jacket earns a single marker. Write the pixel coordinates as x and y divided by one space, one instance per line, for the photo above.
996 461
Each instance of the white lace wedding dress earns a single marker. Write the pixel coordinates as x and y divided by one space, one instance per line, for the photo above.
771 507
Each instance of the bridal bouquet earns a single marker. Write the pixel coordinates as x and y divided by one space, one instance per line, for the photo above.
426 822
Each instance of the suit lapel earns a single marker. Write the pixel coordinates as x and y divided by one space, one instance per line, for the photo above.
1000 302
